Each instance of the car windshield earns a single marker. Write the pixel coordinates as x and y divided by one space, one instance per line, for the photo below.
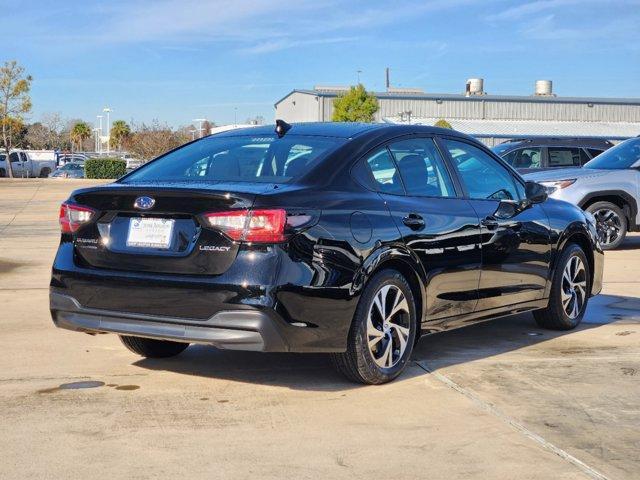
620 157
264 158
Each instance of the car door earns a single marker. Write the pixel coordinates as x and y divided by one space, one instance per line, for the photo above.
441 228
17 165
515 251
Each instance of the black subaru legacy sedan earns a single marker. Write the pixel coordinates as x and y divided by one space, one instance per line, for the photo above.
350 239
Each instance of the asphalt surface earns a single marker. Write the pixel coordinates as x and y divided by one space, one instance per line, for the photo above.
499 400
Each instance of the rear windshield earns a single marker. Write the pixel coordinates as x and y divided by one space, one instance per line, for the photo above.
239 159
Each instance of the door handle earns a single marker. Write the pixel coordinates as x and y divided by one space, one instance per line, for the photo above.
490 222
414 221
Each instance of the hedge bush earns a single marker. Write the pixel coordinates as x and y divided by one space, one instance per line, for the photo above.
104 167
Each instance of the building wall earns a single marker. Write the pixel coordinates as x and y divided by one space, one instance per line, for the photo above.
302 107
299 107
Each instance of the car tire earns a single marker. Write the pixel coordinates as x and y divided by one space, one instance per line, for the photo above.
610 219
150 348
44 173
390 292
3 173
570 292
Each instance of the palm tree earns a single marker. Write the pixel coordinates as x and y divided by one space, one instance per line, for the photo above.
79 133
119 132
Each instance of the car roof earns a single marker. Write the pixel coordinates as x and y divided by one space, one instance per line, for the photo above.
340 129
559 141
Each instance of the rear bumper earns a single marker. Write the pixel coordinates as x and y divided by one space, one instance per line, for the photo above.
233 330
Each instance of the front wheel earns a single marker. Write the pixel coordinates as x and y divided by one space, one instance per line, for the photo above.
611 224
569 292
150 348
382 333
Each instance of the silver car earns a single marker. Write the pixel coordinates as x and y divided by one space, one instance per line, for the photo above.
607 187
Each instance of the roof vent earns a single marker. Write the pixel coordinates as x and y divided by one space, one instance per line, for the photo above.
544 88
475 86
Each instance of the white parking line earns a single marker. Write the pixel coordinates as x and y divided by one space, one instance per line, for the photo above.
591 472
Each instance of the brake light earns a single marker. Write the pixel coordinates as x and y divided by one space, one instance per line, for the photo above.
72 217
262 226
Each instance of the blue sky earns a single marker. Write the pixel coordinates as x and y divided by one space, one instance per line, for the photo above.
176 60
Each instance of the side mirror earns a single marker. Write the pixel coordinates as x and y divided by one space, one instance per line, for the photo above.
535 192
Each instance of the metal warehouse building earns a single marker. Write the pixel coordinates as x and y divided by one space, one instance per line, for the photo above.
491 118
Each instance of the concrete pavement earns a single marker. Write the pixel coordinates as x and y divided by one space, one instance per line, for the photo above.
499 400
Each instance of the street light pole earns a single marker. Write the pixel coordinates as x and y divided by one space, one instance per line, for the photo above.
200 128
108 112
99 150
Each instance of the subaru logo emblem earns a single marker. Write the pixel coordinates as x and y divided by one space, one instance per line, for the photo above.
144 203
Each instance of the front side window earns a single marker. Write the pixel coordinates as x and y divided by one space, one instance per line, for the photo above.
524 158
564 157
384 172
421 167
239 159
594 152
482 176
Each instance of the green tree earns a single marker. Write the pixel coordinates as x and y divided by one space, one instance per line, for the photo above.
14 102
356 105
120 131
442 123
79 133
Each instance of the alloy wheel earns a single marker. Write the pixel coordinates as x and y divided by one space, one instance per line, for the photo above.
609 225
573 291
388 326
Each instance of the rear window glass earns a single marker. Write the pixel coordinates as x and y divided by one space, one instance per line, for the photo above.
239 159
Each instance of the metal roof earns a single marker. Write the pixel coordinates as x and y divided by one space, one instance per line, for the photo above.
477 98
526 128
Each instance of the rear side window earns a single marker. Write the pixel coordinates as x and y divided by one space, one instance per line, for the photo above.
385 175
422 169
564 156
524 158
239 159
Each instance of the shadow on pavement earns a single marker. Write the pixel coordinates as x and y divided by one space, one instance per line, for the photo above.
314 371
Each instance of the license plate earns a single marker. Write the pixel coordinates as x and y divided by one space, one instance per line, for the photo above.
150 232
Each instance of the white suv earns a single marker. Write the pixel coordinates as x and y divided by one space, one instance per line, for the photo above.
607 187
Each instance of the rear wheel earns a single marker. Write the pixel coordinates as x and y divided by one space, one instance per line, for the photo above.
150 348
611 224
569 292
44 173
3 173
382 333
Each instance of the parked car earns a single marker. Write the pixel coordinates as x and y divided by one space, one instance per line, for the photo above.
69 170
301 240
606 187
23 165
132 162
542 153
64 158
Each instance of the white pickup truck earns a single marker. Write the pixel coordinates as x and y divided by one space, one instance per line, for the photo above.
28 163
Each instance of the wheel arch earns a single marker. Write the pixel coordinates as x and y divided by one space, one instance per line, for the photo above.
399 258
622 199
579 235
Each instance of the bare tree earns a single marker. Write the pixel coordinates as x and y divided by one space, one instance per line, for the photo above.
14 102
150 141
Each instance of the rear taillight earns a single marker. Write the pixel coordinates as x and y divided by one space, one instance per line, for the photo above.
72 217
262 226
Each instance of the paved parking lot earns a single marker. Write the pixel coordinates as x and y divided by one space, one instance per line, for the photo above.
499 400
